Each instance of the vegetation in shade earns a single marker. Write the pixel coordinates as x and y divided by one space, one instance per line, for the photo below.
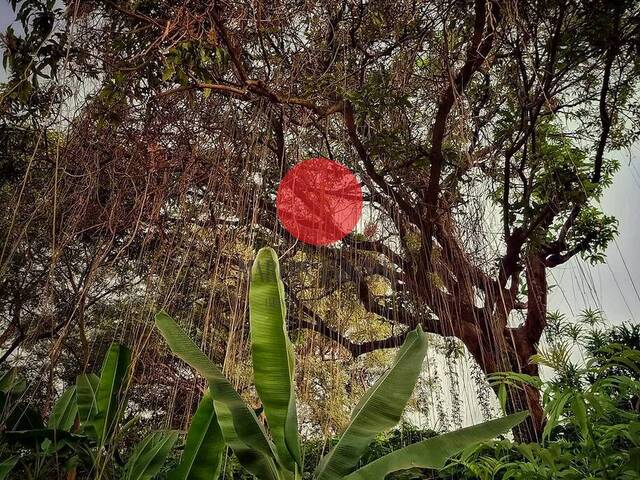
84 433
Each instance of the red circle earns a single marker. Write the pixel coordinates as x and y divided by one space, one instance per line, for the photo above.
319 201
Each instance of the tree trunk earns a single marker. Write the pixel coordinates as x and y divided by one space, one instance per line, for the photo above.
527 398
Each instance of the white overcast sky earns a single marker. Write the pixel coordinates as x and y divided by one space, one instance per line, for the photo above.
612 287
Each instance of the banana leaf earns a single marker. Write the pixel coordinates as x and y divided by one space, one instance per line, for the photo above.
65 410
241 430
204 448
149 455
273 355
109 392
380 409
434 452
86 389
6 466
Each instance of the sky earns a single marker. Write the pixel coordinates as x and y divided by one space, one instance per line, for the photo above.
612 287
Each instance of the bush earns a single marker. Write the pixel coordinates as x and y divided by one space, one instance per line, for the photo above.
592 417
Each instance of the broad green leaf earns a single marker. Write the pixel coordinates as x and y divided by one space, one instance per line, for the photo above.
63 416
434 452
108 395
240 427
202 456
64 412
149 455
86 388
380 409
273 356
6 466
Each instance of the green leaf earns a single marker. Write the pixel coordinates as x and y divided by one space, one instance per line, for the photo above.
11 382
434 452
554 410
273 355
240 427
202 456
86 388
168 72
634 459
502 396
64 411
108 395
380 409
149 455
580 413
6 466
62 417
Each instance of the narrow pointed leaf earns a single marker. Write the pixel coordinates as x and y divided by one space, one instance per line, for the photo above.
108 395
149 455
202 456
272 354
434 452
240 427
380 409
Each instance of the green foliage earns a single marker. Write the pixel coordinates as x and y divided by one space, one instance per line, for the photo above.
273 356
560 176
109 392
592 414
6 466
593 230
83 432
33 57
432 453
204 448
149 456
240 427
379 410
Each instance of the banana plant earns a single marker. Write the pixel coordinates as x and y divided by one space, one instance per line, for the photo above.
100 406
273 452
84 427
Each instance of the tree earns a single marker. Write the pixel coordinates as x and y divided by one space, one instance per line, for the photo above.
457 116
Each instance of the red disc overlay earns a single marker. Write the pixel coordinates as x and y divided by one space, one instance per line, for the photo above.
319 201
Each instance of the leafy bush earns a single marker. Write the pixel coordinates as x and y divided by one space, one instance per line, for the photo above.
83 433
592 414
